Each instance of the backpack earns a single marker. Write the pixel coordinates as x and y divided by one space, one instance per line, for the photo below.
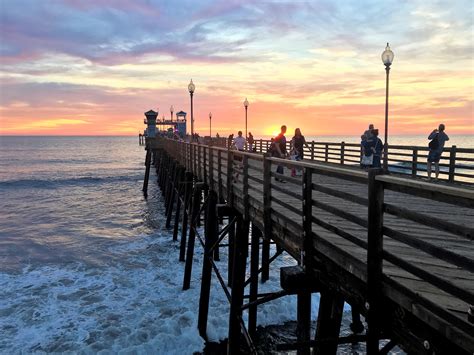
434 143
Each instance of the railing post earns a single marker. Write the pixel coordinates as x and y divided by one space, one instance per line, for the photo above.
307 217
245 172
326 153
230 171
343 148
261 149
204 162
374 260
199 174
452 163
267 219
414 163
312 150
219 176
211 168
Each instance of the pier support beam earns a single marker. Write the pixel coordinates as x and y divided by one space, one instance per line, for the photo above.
238 281
181 184
329 323
254 262
188 188
196 206
147 172
211 232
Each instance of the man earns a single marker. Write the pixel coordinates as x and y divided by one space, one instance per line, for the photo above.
280 147
239 141
436 146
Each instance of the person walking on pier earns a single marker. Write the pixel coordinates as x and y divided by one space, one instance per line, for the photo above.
230 140
280 148
437 139
377 148
239 142
297 146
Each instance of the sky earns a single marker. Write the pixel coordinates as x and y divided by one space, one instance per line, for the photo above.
70 67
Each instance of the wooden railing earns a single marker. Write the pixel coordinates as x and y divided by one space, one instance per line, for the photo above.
402 238
456 164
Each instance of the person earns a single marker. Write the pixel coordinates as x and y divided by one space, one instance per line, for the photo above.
376 146
297 147
367 154
230 140
250 141
239 141
438 137
280 150
368 133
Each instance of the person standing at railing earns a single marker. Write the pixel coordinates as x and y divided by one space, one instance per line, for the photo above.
280 148
367 156
377 148
437 139
368 133
297 144
250 141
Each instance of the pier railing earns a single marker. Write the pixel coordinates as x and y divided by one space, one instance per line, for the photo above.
456 164
403 240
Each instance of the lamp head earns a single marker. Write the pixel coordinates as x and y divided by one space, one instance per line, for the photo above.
387 56
246 103
210 115
171 109
191 87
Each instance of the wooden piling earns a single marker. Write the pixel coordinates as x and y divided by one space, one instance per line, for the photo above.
173 194
253 294
188 188
180 196
196 204
147 172
329 323
303 316
210 240
238 281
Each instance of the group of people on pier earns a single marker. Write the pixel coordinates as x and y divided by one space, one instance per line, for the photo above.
372 148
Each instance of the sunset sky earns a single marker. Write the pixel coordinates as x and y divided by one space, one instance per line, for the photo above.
71 67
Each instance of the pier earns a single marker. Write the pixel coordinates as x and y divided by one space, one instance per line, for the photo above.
399 250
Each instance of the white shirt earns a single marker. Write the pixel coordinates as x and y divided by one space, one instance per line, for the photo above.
239 142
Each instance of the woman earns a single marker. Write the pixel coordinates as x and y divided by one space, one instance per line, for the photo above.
297 147
377 148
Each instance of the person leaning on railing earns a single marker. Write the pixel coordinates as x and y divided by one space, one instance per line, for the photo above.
438 137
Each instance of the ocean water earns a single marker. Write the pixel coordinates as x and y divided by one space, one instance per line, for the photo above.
86 265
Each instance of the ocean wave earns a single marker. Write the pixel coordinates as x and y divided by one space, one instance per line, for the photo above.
51 183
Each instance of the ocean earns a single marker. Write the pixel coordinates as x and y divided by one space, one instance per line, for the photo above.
86 264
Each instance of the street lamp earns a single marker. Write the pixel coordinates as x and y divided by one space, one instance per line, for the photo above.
171 110
246 105
387 59
210 118
191 88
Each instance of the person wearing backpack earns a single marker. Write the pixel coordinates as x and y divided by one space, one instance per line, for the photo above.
437 139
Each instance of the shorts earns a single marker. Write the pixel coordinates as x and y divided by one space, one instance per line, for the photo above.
434 156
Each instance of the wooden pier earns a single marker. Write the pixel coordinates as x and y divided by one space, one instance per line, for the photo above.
400 251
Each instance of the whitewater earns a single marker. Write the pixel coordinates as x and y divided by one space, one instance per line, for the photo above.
86 263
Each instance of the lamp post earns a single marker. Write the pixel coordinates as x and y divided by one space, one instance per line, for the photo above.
191 88
210 118
246 105
171 111
387 59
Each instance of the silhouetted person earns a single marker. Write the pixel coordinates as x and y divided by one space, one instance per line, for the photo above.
280 147
438 137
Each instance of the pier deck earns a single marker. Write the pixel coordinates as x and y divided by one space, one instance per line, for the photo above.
399 248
